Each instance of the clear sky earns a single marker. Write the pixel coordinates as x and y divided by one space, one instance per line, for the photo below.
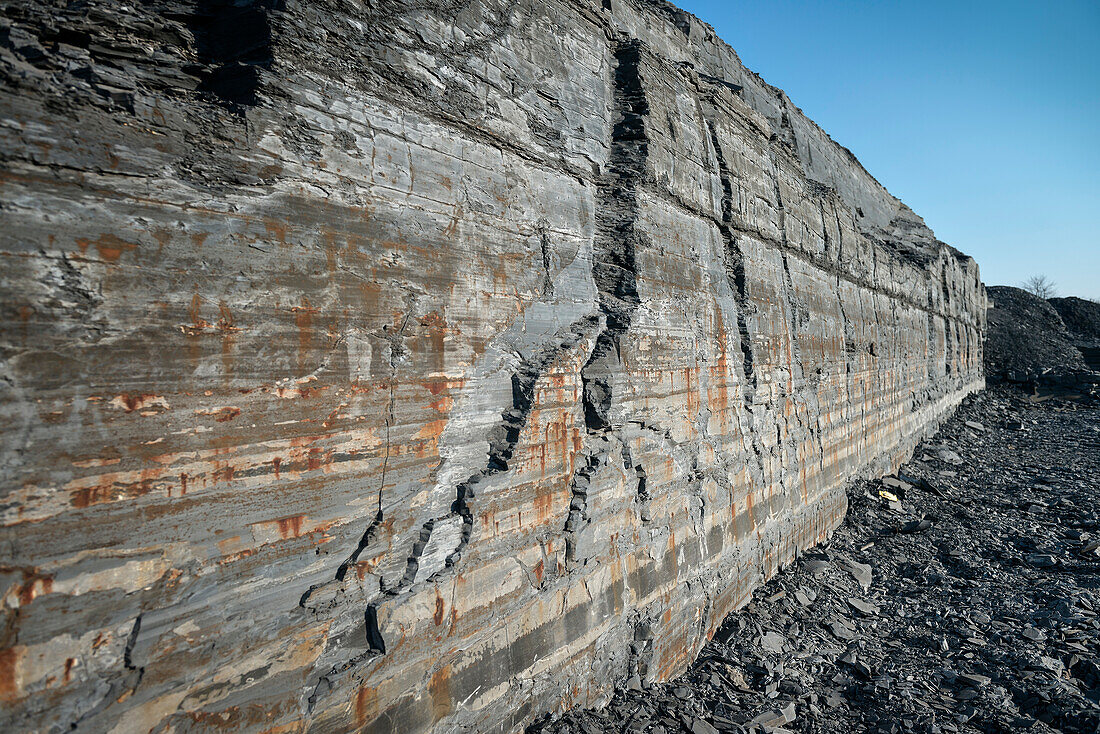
984 117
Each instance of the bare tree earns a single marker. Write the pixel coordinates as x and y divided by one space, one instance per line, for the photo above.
1041 286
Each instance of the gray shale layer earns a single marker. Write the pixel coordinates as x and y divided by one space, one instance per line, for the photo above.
417 367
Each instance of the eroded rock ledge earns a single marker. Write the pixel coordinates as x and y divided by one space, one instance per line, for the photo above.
406 366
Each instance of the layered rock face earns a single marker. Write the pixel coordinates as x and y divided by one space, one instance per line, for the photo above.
413 367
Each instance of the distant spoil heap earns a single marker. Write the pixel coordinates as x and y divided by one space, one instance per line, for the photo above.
1082 320
1028 343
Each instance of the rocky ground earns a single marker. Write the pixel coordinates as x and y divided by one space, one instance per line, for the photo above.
962 595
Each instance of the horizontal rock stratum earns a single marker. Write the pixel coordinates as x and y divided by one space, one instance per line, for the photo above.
424 366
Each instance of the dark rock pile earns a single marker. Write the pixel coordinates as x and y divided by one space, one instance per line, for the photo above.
1028 343
1082 320
961 595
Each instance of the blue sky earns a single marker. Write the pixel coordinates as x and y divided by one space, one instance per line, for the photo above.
984 117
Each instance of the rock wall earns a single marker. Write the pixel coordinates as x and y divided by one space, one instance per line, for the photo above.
408 366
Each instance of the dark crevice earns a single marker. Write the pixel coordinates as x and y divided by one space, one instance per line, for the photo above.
735 263
503 439
640 477
547 261
735 274
614 263
374 636
578 507
780 209
234 41
131 641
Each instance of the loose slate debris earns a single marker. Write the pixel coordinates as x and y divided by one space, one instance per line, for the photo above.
861 572
986 619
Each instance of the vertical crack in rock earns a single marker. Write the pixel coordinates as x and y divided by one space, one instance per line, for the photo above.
375 644
735 264
397 352
614 271
613 260
641 477
503 440
547 261
123 684
780 209
736 276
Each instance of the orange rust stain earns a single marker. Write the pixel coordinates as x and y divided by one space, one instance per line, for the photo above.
228 544
443 405
193 313
366 706
433 319
544 504
333 416
439 385
9 672
33 586
90 496
225 318
183 484
304 319
440 689
69 663
163 237
275 463
290 527
276 229
109 246
452 227
227 413
431 430
108 491
198 238
131 402
438 616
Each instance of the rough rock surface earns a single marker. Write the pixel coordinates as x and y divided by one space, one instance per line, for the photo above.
1082 320
1027 339
982 613
404 366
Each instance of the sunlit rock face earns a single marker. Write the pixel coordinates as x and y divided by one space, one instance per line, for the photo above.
409 367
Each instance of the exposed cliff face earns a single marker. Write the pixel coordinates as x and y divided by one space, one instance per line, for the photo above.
412 365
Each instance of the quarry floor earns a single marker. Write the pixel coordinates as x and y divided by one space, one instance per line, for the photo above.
963 596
